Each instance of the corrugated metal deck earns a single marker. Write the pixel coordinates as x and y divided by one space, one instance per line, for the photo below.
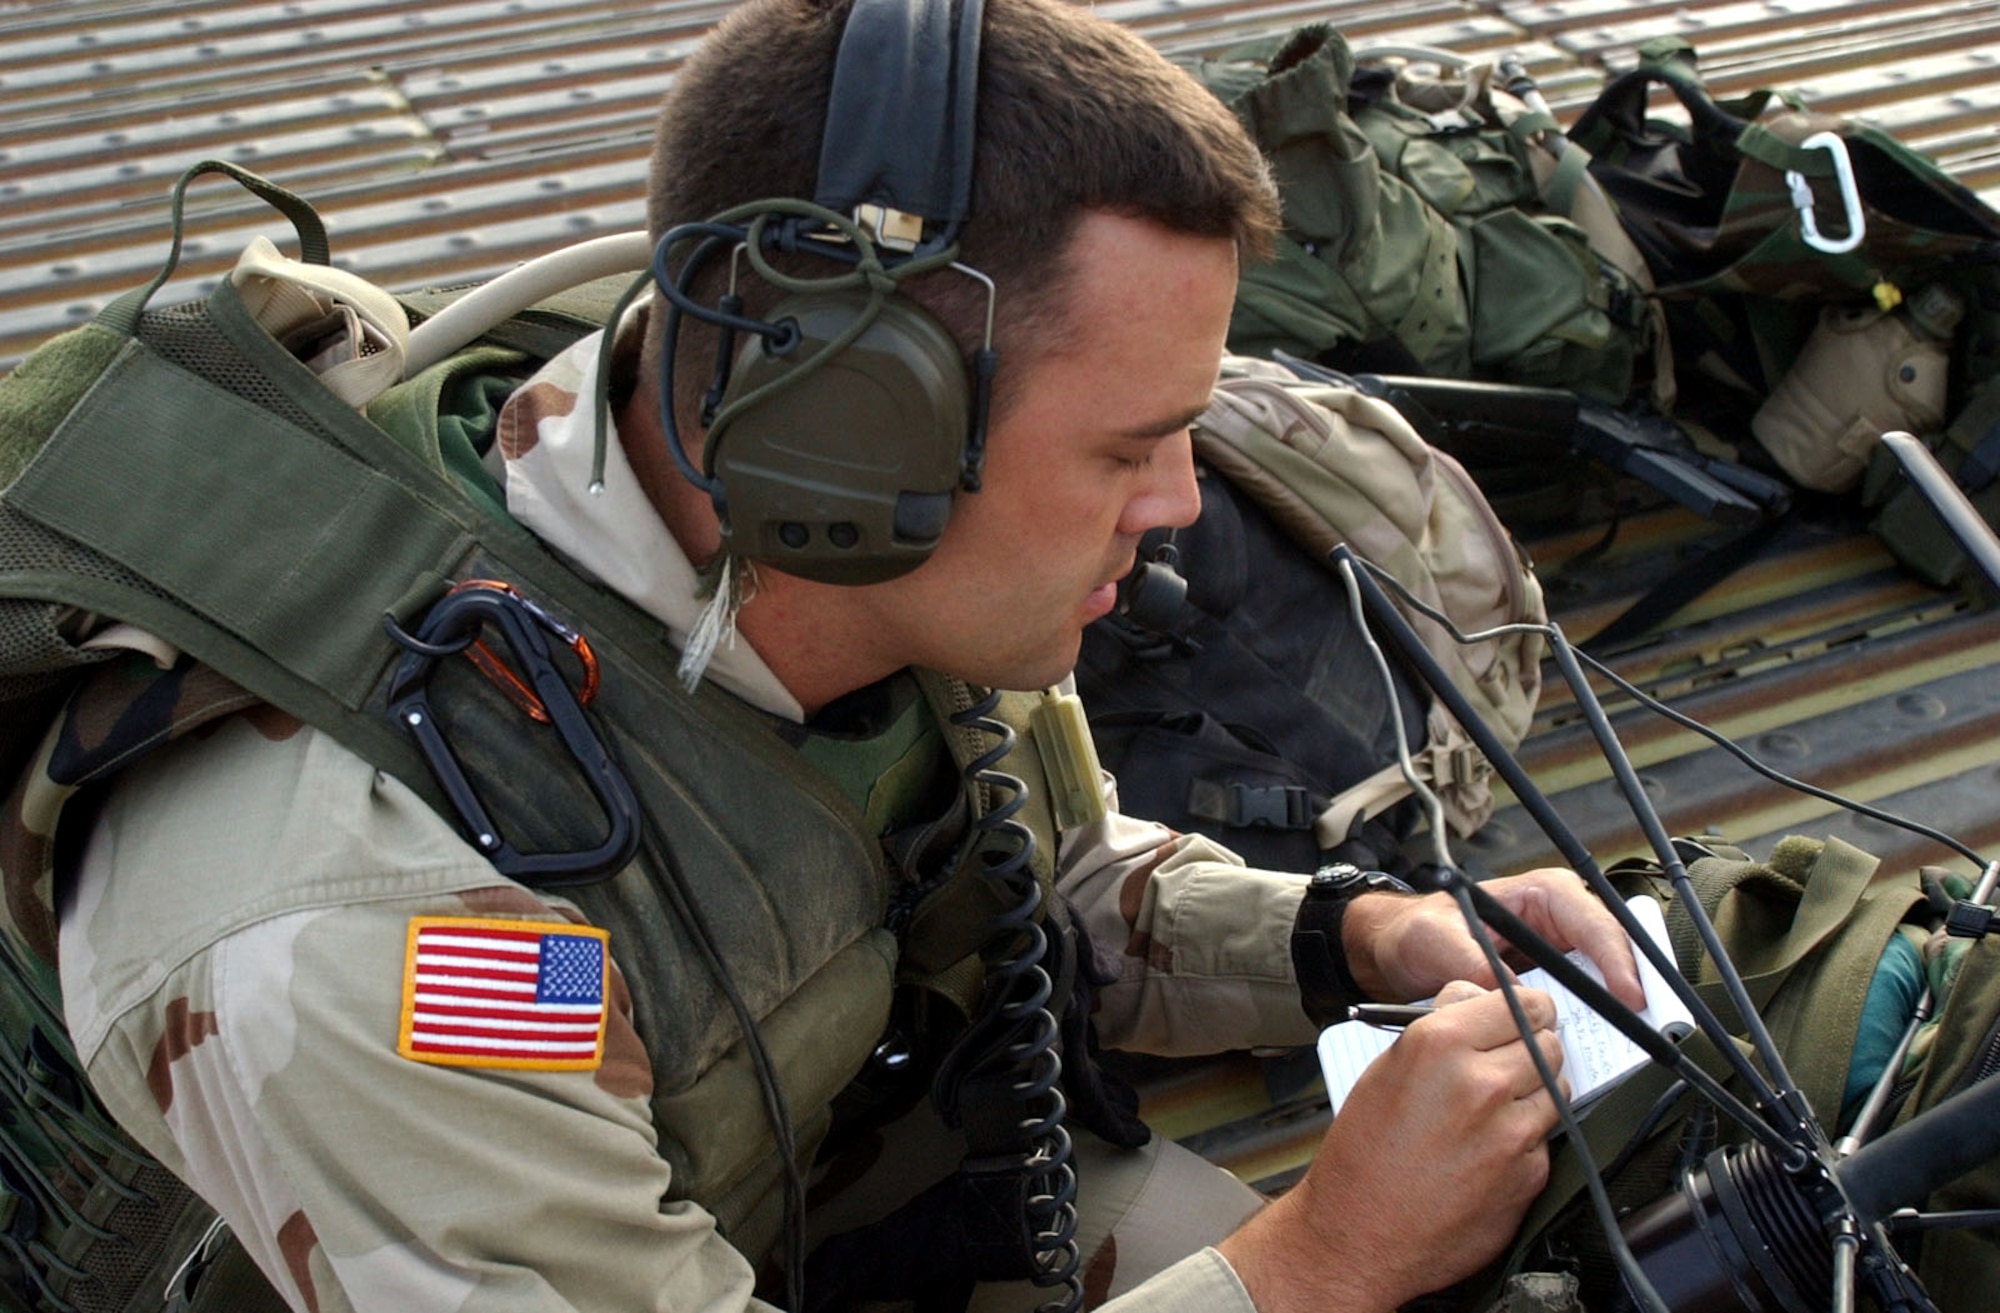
457 138
453 139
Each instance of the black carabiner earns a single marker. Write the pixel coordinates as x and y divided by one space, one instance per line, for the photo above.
452 625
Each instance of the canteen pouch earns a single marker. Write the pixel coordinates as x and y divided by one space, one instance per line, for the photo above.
1863 372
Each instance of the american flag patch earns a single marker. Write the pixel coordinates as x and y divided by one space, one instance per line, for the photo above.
521 994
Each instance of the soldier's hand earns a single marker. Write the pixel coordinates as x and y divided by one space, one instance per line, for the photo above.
1425 1174
1404 948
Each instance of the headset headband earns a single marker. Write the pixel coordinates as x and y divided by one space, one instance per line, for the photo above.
899 121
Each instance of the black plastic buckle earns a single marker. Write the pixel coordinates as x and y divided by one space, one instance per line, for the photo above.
453 625
1271 807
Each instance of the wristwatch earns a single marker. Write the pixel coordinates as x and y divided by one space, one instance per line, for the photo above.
1326 987
1343 880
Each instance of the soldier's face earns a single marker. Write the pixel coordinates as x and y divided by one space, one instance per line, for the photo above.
1092 453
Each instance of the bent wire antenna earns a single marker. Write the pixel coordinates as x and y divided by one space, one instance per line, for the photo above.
1790 1153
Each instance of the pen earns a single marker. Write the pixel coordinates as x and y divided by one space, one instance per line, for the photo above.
1388 1016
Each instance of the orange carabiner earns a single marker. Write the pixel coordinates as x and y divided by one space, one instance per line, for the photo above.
502 675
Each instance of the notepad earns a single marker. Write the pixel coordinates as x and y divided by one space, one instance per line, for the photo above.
1596 1056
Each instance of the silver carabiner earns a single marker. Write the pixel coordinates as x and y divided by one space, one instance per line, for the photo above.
1850 197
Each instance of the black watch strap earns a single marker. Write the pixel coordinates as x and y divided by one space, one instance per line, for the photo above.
1326 987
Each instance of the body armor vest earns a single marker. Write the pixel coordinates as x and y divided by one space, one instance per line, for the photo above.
771 855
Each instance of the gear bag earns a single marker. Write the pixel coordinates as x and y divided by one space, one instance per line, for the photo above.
1427 238
1260 719
1760 210
1832 280
1763 196
1834 953
1520 196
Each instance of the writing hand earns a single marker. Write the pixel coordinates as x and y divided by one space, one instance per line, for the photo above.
1424 1175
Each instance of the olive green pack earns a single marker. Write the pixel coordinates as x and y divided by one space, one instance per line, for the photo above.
1411 247
1560 297
1961 1269
1808 930
179 471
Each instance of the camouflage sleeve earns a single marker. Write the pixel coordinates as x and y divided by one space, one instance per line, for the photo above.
1199 945
261 1063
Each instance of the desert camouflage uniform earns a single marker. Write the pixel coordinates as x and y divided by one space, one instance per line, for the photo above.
233 959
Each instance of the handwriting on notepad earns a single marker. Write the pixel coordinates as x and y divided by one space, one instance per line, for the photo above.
1595 1053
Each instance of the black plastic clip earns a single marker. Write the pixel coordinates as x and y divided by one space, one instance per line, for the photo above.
1968 920
1269 807
454 625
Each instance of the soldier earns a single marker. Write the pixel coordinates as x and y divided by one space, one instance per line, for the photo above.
252 956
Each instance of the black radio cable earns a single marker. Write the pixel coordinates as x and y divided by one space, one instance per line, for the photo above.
1015 1023
1365 578
1464 892
1893 1286
1769 772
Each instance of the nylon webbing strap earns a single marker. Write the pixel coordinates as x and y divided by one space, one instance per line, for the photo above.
1531 125
1712 878
122 315
1767 147
1680 588
1827 950
1840 875
1817 1031
1571 168
286 542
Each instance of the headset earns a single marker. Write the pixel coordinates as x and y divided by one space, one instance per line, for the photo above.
838 430
840 427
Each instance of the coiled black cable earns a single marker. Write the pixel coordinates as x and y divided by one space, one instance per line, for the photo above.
1015 1030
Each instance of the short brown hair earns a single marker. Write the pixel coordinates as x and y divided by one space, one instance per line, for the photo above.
1074 114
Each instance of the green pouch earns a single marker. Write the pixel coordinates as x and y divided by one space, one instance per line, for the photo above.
1364 261
1414 234
1547 312
1451 147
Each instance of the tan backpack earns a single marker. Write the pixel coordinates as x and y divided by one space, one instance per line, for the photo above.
1332 465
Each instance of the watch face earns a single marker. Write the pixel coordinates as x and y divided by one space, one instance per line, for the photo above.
1347 878
1337 877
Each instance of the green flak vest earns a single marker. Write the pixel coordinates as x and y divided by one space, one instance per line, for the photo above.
198 482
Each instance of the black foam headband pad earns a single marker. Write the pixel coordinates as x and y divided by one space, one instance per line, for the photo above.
900 119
